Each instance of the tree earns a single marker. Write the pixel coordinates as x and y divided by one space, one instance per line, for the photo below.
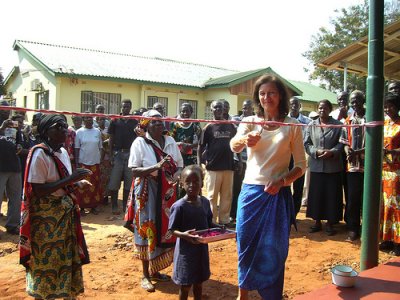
2 87
350 25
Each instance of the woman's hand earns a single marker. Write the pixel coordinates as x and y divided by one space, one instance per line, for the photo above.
164 161
272 187
252 138
324 154
80 173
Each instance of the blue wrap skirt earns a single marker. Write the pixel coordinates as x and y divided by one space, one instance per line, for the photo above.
263 228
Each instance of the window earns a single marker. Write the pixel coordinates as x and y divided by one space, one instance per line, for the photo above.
208 115
42 100
151 100
111 102
193 103
25 101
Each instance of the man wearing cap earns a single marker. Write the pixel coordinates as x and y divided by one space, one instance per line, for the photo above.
10 171
122 134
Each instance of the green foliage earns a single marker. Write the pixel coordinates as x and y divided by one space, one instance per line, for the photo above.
349 25
2 87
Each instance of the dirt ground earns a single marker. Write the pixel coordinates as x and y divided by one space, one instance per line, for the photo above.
114 274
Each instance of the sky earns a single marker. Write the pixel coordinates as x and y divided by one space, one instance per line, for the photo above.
233 34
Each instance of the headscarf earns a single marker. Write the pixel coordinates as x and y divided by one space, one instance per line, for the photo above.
37 116
150 113
46 122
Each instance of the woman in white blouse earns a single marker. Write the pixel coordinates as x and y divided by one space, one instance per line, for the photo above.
265 205
156 164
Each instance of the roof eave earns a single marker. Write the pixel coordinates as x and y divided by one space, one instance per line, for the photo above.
14 70
127 80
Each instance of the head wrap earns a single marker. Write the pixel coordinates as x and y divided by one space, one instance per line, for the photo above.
150 113
37 116
46 122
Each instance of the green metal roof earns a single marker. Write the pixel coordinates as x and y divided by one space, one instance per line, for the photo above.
72 61
233 79
314 93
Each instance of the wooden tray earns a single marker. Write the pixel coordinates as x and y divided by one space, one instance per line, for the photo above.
220 234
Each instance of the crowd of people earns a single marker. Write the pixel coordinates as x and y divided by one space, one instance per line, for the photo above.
257 174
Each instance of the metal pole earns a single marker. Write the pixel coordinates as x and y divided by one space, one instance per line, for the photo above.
374 138
345 77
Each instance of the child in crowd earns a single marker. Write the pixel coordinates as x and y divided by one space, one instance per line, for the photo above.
190 213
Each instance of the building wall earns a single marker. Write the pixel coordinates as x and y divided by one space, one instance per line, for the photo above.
70 91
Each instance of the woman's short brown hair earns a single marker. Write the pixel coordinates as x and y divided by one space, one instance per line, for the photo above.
283 94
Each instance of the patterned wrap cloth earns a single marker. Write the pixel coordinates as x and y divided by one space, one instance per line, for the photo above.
147 215
52 245
390 204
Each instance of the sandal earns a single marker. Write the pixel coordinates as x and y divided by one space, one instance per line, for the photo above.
147 285
160 277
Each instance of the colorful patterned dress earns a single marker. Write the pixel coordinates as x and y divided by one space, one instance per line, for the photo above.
52 245
150 200
390 204
186 133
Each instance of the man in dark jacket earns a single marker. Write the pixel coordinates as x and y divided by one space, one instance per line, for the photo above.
10 170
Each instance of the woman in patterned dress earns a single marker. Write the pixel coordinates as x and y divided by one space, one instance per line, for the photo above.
186 135
52 245
156 164
88 148
390 205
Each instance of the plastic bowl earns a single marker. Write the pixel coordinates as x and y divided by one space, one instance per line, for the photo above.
343 270
344 281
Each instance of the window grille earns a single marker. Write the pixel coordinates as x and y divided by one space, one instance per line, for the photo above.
151 100
110 101
42 100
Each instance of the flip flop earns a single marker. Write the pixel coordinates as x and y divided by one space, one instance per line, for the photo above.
160 277
147 285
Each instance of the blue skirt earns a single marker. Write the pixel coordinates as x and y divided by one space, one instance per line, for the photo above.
263 228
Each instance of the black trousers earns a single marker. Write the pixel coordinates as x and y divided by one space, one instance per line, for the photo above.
298 186
355 184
